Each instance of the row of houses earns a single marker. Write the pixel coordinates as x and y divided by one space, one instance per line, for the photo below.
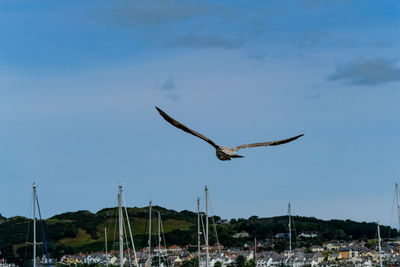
3 263
308 234
329 254
264 259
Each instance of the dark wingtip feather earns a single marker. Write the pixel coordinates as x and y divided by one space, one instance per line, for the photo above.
162 113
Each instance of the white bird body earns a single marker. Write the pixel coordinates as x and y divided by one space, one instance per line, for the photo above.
222 152
226 153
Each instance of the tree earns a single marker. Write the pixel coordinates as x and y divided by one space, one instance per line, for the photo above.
308 250
241 261
326 254
218 264
280 246
340 234
250 263
371 243
189 263
253 218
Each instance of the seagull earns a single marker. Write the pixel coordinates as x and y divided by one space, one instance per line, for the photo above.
223 153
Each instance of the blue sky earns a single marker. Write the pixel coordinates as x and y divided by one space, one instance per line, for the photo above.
79 81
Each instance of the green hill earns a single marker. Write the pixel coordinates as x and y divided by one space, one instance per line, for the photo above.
83 231
74 232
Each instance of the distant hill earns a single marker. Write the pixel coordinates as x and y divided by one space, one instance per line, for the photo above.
83 231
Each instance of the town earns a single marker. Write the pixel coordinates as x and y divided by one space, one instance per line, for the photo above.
335 253
82 239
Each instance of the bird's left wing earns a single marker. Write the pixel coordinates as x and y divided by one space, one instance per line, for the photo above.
272 143
179 125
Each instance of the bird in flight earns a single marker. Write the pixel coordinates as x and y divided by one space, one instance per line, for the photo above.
223 153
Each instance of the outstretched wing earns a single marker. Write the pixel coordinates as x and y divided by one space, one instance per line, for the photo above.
272 143
179 125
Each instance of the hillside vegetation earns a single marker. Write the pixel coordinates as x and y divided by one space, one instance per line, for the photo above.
83 231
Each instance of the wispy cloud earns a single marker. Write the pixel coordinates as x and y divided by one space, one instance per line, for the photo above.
258 57
169 84
311 38
207 41
168 89
313 96
368 72
200 24
160 22
174 97
153 12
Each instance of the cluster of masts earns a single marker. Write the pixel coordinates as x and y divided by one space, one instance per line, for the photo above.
122 212
149 257
199 232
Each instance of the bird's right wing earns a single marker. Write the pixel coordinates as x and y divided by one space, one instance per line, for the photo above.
271 143
179 125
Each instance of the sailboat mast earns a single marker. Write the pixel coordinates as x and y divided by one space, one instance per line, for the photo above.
380 249
290 231
121 233
105 238
207 254
398 204
159 239
34 225
149 233
198 230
